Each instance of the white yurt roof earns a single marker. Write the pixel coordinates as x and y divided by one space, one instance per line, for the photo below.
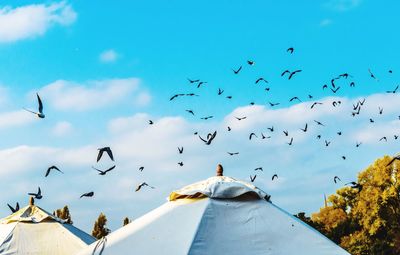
220 215
32 230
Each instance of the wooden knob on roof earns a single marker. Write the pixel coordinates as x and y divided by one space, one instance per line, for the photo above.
220 170
31 201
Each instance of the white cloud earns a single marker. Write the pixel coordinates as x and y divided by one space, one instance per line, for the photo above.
72 96
15 118
342 5
143 99
305 169
62 128
108 56
33 20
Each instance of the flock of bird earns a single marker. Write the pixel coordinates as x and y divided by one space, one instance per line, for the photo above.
209 138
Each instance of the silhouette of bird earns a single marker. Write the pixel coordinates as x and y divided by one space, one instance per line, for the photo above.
39 113
241 118
88 194
318 136
397 157
142 185
371 74
355 185
261 79
291 141
141 168
52 168
345 75
393 91
259 169
13 210
229 128
233 153
380 110
273 104
290 73
336 178
229 97
190 111
383 138
294 98
151 122
250 62
180 163
210 138
362 102
290 50
286 132
314 104
344 157
318 123
37 195
358 144
251 135
271 129
324 86
335 90
220 91
193 81
207 117
339 133
274 176
105 171
305 128
264 137
327 143
175 96
237 71
105 149
352 84
371 120
180 150
253 178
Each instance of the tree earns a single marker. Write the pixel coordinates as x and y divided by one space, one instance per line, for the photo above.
126 221
64 214
99 229
366 220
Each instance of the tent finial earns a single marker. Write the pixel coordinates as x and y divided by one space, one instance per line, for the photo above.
31 201
220 170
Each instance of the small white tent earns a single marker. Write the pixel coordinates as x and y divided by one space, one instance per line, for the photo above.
220 215
31 230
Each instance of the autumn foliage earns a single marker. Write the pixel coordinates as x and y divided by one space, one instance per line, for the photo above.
367 220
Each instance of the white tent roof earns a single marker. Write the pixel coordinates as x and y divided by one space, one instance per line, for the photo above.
217 216
31 230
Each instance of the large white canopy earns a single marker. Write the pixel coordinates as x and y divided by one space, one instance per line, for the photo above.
217 216
33 231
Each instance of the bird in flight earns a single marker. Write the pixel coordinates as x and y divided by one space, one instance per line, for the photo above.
286 132
305 128
241 118
142 185
291 141
37 195
233 153
314 104
250 62
290 50
180 150
105 149
383 138
190 111
358 144
193 81
253 178
274 176
371 74
176 96
393 91
355 185
318 123
180 163
151 122
13 210
141 168
237 71
335 90
210 138
397 157
220 91
273 104
88 194
251 135
261 79
290 73
206 118
105 171
336 178
52 168
259 168
264 137
327 143
40 113
295 98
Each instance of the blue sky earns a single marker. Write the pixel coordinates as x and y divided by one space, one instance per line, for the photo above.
103 71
